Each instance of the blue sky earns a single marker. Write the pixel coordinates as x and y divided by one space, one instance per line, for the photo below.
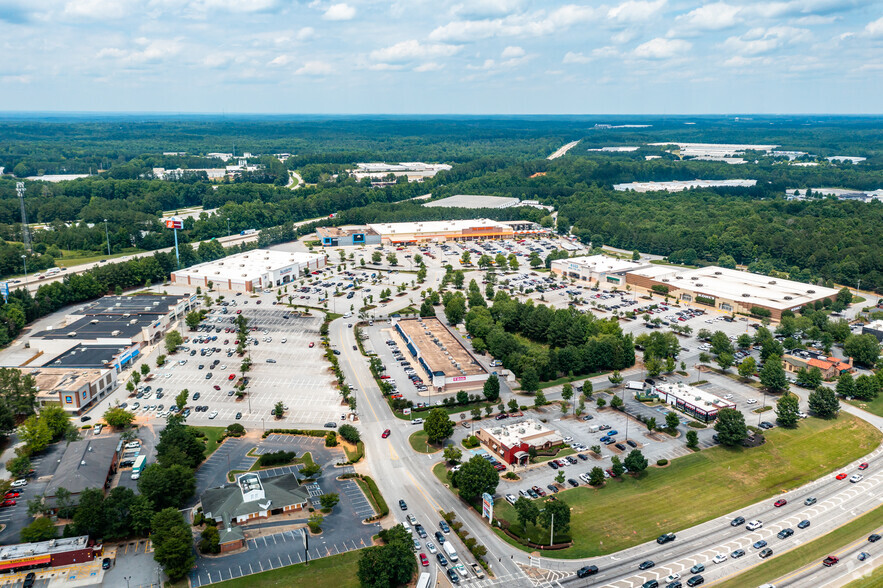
437 56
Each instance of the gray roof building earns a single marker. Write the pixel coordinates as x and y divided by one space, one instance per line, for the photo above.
85 464
252 497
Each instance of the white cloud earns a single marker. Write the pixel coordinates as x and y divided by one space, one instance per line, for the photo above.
279 61
875 28
306 33
482 8
431 66
742 61
518 25
635 10
413 50
711 17
101 9
660 48
512 52
152 51
242 6
759 40
340 12
315 68
571 57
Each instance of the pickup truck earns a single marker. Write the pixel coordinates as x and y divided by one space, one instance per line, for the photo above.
476 569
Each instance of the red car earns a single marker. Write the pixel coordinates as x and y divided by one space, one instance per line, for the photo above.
239 311
386 434
841 476
217 387
311 344
424 561
12 494
863 466
780 502
231 376
7 503
384 377
830 561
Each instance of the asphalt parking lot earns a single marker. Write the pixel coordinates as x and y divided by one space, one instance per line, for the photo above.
15 518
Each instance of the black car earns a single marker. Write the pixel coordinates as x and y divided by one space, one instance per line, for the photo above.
646 565
766 425
738 521
675 584
663 539
553 465
803 524
874 538
29 580
586 571
452 575
552 488
631 443
420 531
620 446
238 415
695 581
105 563
85 418
441 559
650 584
403 505
330 425
196 396
440 537
582 456
572 482
785 533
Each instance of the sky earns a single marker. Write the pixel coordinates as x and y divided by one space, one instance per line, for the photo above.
442 57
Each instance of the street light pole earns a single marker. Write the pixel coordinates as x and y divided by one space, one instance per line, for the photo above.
106 234
552 530
24 258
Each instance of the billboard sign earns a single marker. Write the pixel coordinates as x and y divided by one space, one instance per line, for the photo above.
487 506
4 290
174 223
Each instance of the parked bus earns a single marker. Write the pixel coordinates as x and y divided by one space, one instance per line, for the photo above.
139 465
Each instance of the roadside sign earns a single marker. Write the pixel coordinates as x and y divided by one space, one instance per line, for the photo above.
174 223
487 506
4 291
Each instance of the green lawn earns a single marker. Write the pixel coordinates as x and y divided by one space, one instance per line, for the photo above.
212 434
724 479
814 551
336 571
561 381
875 580
875 406
561 453
369 496
419 443
73 258
440 472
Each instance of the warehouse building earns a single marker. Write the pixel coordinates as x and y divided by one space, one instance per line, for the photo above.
22 557
728 290
513 442
596 268
473 201
446 363
250 271
347 236
699 404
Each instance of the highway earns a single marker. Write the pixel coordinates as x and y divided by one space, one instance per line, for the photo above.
561 151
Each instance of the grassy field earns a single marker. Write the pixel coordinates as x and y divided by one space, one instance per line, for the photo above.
561 381
725 479
561 453
212 434
73 258
336 571
419 443
814 551
441 472
875 580
875 406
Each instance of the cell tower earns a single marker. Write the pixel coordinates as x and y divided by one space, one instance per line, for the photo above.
25 232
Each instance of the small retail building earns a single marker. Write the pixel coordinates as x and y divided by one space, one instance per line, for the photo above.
73 389
875 328
250 271
347 236
253 497
607 271
89 463
831 367
445 362
699 404
440 231
512 442
22 557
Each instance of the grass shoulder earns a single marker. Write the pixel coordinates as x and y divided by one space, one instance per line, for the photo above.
419 441
336 571
874 407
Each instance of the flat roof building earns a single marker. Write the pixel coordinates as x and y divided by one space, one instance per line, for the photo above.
415 171
53 553
445 230
729 290
512 442
874 328
89 463
74 390
596 268
473 201
347 236
447 364
250 270
697 403
681 185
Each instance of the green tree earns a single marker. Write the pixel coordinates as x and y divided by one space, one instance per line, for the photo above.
168 486
744 341
747 367
455 309
811 378
846 385
539 399
89 517
772 374
452 454
787 410
567 391
476 476
462 397
210 540
692 439
491 388
724 360
145 369
118 417
617 468
173 341
672 421
824 403
616 403
720 343
730 426
181 399
530 381
438 425
19 466
635 461
863 349
42 529
329 500
172 543
180 444
389 565
35 434
596 476
193 319
350 434
866 387
526 511
376 257
555 512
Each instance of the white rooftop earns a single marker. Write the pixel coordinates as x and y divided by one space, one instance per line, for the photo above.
745 287
249 264
56 177
681 185
601 264
530 431
695 396
443 226
473 201
718 149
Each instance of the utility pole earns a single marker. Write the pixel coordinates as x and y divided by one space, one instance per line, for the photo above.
25 231
24 258
106 234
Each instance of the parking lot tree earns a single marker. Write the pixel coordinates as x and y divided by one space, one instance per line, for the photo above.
617 468
787 410
235 430
310 470
653 366
744 341
35 434
866 387
557 513
772 374
567 391
730 426
392 258
136 377
704 357
130 386
526 511
193 319
692 439
19 466
173 341
329 500
476 476
720 343
658 344
824 403
863 349
350 434
167 486
180 444
724 360
846 385
118 418
747 367
672 421
330 439
42 529
438 425
616 403
172 543
462 397
376 257
484 261
769 348
452 454
145 369
559 478
635 461
596 476
534 260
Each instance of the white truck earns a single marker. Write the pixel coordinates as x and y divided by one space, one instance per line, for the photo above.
450 551
594 428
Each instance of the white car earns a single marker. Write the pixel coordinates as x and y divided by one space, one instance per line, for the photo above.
133 444
671 578
754 525
213 414
751 401
856 478
728 396
431 548
412 520
20 483
511 499
719 558
284 340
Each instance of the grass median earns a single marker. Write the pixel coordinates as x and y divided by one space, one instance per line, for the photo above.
699 487
336 571
212 435
420 443
814 551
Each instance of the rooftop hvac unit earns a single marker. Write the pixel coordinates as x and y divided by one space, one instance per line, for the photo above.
698 284
82 463
810 291
93 322
115 333
772 282
694 278
538 426
788 298
522 431
746 295
679 277
718 273
72 334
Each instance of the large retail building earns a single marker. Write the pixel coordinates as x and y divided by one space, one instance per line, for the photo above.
596 268
250 271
